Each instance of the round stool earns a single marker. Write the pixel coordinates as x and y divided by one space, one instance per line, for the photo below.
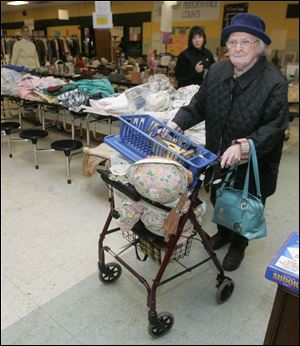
7 127
67 145
34 135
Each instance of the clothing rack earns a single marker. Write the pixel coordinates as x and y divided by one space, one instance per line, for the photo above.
48 47
38 36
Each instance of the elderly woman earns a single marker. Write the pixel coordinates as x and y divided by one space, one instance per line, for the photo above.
244 97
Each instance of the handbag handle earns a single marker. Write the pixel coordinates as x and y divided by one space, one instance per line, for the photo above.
228 179
253 159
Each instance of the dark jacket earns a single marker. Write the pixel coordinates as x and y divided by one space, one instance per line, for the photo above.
253 106
185 67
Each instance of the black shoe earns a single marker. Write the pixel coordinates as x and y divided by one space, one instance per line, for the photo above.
219 241
234 258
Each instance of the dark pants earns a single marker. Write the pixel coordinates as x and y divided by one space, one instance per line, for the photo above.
237 240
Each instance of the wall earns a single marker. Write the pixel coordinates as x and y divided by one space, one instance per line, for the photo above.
273 12
84 9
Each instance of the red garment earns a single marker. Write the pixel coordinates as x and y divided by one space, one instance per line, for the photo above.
53 89
79 63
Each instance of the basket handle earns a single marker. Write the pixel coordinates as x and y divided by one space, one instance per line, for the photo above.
137 253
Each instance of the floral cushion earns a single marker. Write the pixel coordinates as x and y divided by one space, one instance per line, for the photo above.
159 179
153 218
130 213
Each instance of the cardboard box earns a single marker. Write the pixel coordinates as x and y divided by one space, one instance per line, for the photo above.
284 266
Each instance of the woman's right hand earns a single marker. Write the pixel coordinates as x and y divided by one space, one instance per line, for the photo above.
199 67
231 156
174 126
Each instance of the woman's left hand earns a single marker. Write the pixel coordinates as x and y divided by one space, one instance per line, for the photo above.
231 156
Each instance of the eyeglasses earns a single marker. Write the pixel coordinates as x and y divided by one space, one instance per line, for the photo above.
243 44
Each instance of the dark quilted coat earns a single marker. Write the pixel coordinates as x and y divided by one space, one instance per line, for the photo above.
252 106
185 66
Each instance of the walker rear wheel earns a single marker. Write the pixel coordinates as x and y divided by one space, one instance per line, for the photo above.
111 273
225 290
167 319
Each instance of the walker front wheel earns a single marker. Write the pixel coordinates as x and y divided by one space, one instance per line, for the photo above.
225 290
165 323
111 273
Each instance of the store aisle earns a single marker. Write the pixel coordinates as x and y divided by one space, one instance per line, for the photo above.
50 289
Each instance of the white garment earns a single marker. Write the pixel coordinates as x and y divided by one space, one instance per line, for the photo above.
10 80
25 54
112 105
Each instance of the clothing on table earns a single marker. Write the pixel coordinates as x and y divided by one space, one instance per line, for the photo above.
94 86
10 82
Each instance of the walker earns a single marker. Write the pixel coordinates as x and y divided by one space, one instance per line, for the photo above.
141 136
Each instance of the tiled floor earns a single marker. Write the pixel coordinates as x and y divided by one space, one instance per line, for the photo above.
50 289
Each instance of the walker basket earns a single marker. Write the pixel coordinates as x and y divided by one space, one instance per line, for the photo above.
154 246
142 136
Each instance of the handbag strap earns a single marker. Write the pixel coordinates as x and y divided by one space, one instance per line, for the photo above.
228 179
253 159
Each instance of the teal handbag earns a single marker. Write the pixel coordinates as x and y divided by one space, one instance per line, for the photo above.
239 210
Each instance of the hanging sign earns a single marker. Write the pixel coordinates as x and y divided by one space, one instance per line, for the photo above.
102 7
186 11
102 21
166 18
102 18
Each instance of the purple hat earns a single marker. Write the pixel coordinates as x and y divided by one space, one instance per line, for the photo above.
246 22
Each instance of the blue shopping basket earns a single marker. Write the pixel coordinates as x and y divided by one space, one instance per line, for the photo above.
142 136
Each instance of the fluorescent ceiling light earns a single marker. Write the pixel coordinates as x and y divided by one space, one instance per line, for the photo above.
170 3
17 3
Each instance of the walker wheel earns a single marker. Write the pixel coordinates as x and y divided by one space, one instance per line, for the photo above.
225 290
111 273
167 319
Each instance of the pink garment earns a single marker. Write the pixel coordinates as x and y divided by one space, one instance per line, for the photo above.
27 86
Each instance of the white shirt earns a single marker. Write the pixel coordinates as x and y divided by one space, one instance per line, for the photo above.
25 54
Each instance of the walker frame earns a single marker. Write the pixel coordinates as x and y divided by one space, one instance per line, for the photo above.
159 323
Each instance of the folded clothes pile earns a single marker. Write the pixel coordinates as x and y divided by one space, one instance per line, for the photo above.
72 98
9 82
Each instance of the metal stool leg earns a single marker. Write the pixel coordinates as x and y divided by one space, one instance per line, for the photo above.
68 168
81 129
72 126
9 145
35 157
41 116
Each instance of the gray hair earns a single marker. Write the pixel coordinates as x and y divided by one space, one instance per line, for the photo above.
262 48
